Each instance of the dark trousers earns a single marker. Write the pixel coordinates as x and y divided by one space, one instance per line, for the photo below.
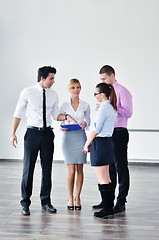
120 167
34 142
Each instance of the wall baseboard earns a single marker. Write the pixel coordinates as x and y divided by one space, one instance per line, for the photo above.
130 161
143 161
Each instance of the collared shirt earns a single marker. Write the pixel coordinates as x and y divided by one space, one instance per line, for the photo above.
124 105
31 101
81 114
104 119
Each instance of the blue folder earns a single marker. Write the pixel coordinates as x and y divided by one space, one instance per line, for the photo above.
71 127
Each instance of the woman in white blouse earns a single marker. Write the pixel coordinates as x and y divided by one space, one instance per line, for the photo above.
73 142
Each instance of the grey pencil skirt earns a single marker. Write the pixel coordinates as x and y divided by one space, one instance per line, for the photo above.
72 145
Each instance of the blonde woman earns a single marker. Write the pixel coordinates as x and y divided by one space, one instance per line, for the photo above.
73 142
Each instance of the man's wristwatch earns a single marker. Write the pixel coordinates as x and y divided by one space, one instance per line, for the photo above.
66 116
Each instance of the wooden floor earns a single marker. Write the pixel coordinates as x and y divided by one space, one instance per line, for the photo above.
139 222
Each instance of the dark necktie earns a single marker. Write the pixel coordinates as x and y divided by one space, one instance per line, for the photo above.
44 109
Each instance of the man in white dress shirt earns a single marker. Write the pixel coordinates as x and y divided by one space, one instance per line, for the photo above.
41 105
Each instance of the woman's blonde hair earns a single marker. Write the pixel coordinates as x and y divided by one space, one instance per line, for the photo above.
72 81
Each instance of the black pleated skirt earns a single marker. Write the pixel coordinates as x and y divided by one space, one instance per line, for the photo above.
102 151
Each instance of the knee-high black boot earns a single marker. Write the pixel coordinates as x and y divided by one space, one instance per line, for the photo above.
112 193
99 205
109 187
107 199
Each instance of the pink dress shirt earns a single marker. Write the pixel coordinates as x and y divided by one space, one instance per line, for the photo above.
124 105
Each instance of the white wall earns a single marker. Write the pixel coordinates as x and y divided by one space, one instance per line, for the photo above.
78 37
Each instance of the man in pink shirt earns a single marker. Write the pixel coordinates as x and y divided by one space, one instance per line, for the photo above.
120 138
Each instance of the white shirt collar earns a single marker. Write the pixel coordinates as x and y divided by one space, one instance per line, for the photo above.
40 88
69 100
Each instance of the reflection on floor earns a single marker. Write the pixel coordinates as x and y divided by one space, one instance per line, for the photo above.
140 221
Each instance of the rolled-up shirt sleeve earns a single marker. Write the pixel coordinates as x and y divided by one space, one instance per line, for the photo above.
21 105
99 120
125 108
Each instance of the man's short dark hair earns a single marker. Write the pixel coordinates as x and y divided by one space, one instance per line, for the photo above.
44 72
107 69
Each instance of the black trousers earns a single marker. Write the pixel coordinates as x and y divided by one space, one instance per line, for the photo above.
34 142
120 167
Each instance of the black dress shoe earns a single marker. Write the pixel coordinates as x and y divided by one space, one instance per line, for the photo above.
104 215
25 211
99 206
119 208
49 208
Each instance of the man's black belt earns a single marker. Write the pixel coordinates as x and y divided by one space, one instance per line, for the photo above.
38 128
119 128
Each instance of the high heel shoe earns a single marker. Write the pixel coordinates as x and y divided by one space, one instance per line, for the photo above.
70 207
78 208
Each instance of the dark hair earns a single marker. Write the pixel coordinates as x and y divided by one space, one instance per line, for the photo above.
109 92
107 69
44 72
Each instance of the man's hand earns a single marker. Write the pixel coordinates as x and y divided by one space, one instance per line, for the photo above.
13 140
69 118
97 106
63 129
